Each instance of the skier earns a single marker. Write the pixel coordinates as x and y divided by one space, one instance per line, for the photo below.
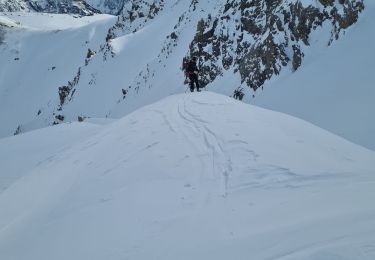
192 72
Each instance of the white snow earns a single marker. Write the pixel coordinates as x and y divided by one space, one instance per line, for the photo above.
8 22
22 153
36 62
151 63
194 176
45 21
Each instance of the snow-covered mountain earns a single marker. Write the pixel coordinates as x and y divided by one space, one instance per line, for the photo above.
108 6
194 176
113 74
82 7
13 5
334 88
48 6
62 7
45 49
97 170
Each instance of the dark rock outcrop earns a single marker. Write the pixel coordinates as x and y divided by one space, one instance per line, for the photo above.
267 36
80 7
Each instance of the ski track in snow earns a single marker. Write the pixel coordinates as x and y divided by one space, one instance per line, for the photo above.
213 144
194 176
190 123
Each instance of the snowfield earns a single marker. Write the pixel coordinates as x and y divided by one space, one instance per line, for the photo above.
194 176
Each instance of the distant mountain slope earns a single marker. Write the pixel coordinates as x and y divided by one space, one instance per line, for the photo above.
258 39
48 6
108 6
335 87
62 7
37 56
139 58
195 176
13 6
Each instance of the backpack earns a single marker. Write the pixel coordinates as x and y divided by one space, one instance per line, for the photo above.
185 65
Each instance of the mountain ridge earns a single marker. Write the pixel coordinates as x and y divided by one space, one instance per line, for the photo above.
187 177
79 7
107 83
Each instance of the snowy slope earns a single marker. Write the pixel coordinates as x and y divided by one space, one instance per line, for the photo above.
6 22
101 81
50 23
138 60
37 58
25 152
335 87
196 176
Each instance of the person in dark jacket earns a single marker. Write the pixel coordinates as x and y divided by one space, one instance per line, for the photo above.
192 71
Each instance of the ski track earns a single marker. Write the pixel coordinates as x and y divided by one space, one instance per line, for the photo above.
218 188
221 162
216 175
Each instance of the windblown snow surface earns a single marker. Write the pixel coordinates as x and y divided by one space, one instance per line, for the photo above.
194 176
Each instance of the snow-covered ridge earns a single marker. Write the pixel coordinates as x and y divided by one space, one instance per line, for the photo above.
79 7
108 6
194 176
138 59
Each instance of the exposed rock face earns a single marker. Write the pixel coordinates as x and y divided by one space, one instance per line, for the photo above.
135 15
108 6
13 5
67 92
65 6
258 38
48 6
